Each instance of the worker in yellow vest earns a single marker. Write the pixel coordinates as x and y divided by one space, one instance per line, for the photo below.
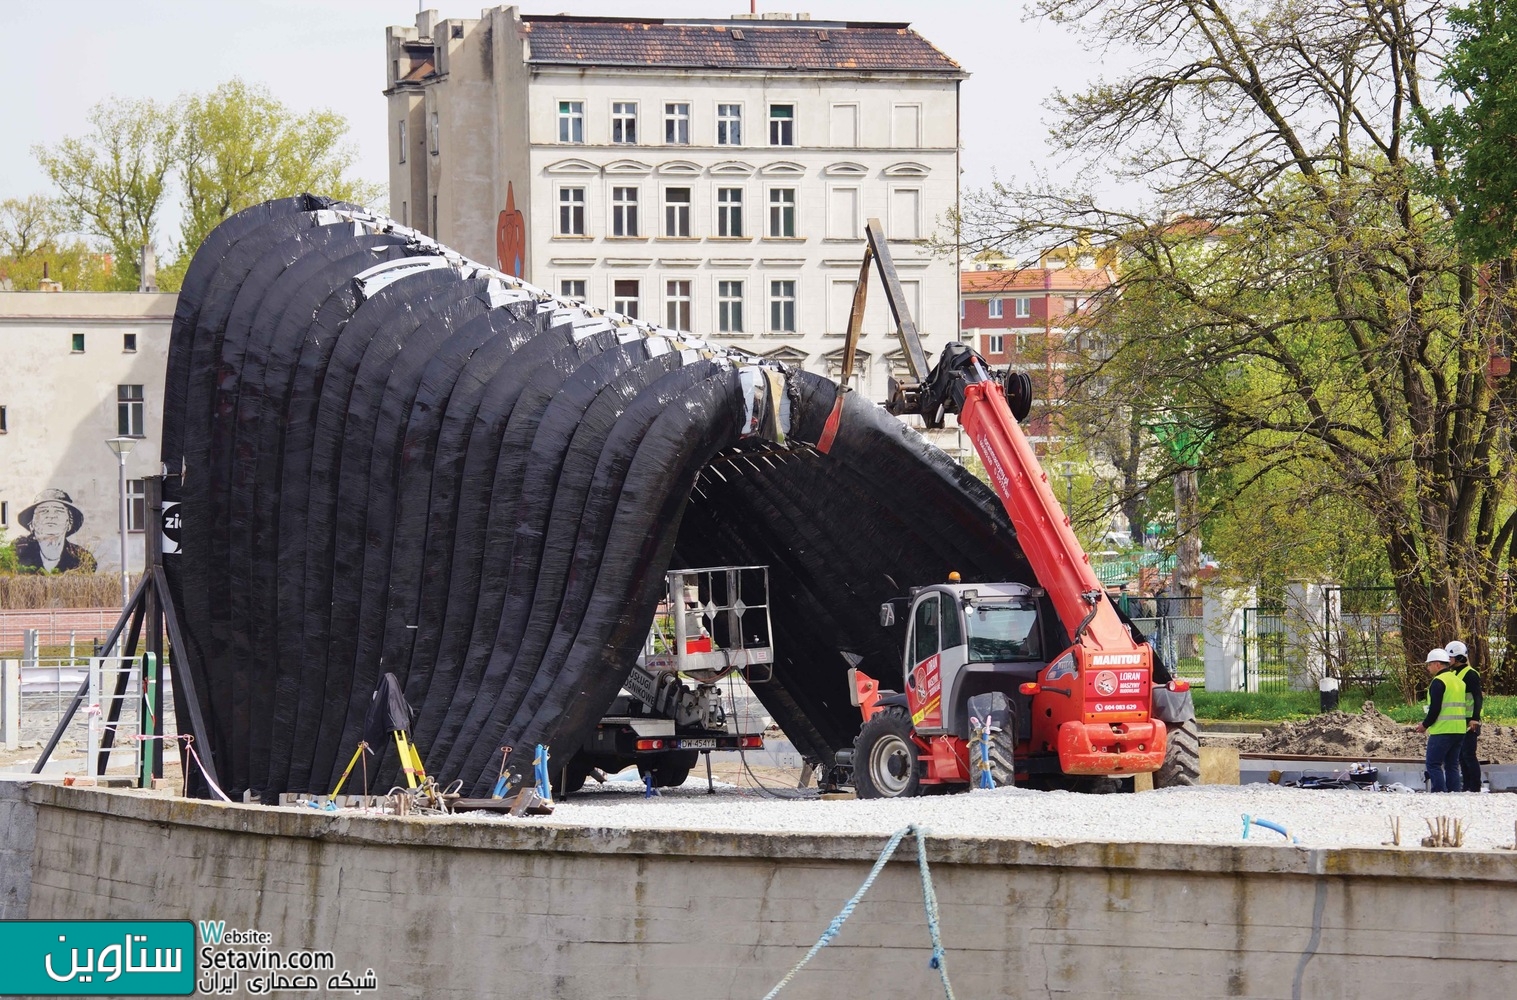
1469 758
1445 723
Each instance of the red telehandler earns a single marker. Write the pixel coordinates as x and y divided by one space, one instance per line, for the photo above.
1083 702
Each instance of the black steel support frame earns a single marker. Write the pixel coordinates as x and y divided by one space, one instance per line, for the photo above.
151 607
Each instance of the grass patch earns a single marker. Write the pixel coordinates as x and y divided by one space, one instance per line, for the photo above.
1247 706
1282 706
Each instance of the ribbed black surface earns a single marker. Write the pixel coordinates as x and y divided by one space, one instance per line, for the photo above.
479 488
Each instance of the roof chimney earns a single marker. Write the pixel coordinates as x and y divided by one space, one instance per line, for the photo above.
147 270
47 284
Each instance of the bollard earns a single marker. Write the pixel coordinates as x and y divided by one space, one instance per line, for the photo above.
148 724
1327 689
10 704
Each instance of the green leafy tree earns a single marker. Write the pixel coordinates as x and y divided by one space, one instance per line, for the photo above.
239 145
112 181
34 243
29 226
1475 143
226 150
1288 288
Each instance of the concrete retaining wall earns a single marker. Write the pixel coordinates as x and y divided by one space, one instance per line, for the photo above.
18 834
463 908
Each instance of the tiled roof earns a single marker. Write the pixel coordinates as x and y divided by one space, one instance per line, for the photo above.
803 45
1034 279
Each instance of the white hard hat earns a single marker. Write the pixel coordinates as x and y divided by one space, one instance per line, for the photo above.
1438 656
1457 648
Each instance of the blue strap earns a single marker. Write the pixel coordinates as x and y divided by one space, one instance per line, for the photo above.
939 960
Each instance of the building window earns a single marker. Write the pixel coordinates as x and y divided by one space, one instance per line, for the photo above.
78 347
961 310
996 343
782 212
128 343
129 411
400 131
782 306
624 121
624 211
571 121
4 427
677 124
571 211
843 213
729 212
434 133
729 306
677 214
677 305
782 124
905 214
136 504
729 124
906 125
403 219
845 125
435 225
5 514
995 308
1024 307
624 296
572 288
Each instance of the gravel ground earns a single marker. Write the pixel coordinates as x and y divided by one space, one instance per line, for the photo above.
1209 814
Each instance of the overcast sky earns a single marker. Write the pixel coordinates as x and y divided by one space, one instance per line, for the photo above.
330 53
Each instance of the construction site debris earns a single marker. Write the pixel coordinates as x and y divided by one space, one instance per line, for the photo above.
1368 734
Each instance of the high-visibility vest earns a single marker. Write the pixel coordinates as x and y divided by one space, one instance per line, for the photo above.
1463 673
1453 716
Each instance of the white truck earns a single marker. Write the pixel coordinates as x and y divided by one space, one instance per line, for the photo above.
714 622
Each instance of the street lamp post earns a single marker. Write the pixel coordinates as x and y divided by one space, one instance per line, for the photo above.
122 445
1068 471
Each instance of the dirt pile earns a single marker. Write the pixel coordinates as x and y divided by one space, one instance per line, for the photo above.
1368 734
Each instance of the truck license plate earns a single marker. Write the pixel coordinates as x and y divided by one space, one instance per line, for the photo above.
697 744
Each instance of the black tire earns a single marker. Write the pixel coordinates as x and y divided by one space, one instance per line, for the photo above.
1003 756
885 758
570 779
1182 757
669 770
669 776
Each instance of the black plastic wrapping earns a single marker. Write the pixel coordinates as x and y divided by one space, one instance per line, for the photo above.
469 484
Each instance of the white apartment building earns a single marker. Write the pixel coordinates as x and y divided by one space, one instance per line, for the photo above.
712 176
81 368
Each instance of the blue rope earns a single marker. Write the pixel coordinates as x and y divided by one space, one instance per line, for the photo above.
939 960
540 773
986 779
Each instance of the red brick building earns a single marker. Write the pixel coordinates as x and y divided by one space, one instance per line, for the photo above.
1025 315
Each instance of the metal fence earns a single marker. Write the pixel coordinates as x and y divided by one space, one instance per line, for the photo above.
78 628
1362 635
1177 629
55 647
1266 663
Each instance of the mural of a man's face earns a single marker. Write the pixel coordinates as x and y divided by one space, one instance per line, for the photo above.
50 520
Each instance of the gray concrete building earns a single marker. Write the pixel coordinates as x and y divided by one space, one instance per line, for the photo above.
706 175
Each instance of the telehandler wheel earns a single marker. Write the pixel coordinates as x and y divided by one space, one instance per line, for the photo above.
1182 758
885 758
1003 755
